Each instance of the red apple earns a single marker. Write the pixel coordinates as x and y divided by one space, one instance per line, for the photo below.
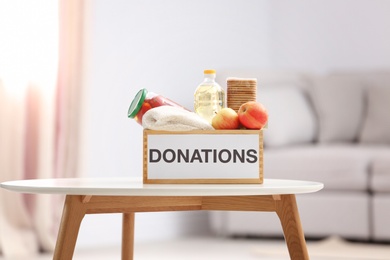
226 118
253 115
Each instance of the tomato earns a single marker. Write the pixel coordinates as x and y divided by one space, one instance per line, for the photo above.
145 107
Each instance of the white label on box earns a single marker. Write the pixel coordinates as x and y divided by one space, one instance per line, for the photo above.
206 156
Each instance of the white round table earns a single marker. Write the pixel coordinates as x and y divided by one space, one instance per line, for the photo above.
130 195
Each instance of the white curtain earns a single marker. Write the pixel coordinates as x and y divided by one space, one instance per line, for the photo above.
41 110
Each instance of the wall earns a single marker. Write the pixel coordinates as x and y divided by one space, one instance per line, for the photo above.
327 35
165 45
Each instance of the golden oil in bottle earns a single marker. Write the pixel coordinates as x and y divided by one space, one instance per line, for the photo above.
209 97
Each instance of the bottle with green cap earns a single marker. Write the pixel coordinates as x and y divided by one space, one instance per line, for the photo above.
209 97
145 100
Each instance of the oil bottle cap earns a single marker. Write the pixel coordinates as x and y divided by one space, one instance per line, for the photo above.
209 72
137 102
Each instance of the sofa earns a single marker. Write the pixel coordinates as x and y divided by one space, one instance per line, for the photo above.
332 128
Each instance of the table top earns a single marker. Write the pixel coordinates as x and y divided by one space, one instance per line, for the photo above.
135 187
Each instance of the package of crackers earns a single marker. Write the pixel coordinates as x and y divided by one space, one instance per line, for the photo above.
240 91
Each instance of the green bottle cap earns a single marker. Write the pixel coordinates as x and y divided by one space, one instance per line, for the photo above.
137 102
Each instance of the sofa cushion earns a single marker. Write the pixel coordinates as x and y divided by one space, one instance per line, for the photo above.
381 217
339 167
376 128
291 117
380 171
348 217
339 103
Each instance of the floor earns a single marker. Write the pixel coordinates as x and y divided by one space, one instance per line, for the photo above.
228 249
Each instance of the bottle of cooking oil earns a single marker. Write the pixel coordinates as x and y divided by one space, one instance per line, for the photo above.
209 97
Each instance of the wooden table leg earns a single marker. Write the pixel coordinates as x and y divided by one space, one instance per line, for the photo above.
287 210
128 236
77 206
72 215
